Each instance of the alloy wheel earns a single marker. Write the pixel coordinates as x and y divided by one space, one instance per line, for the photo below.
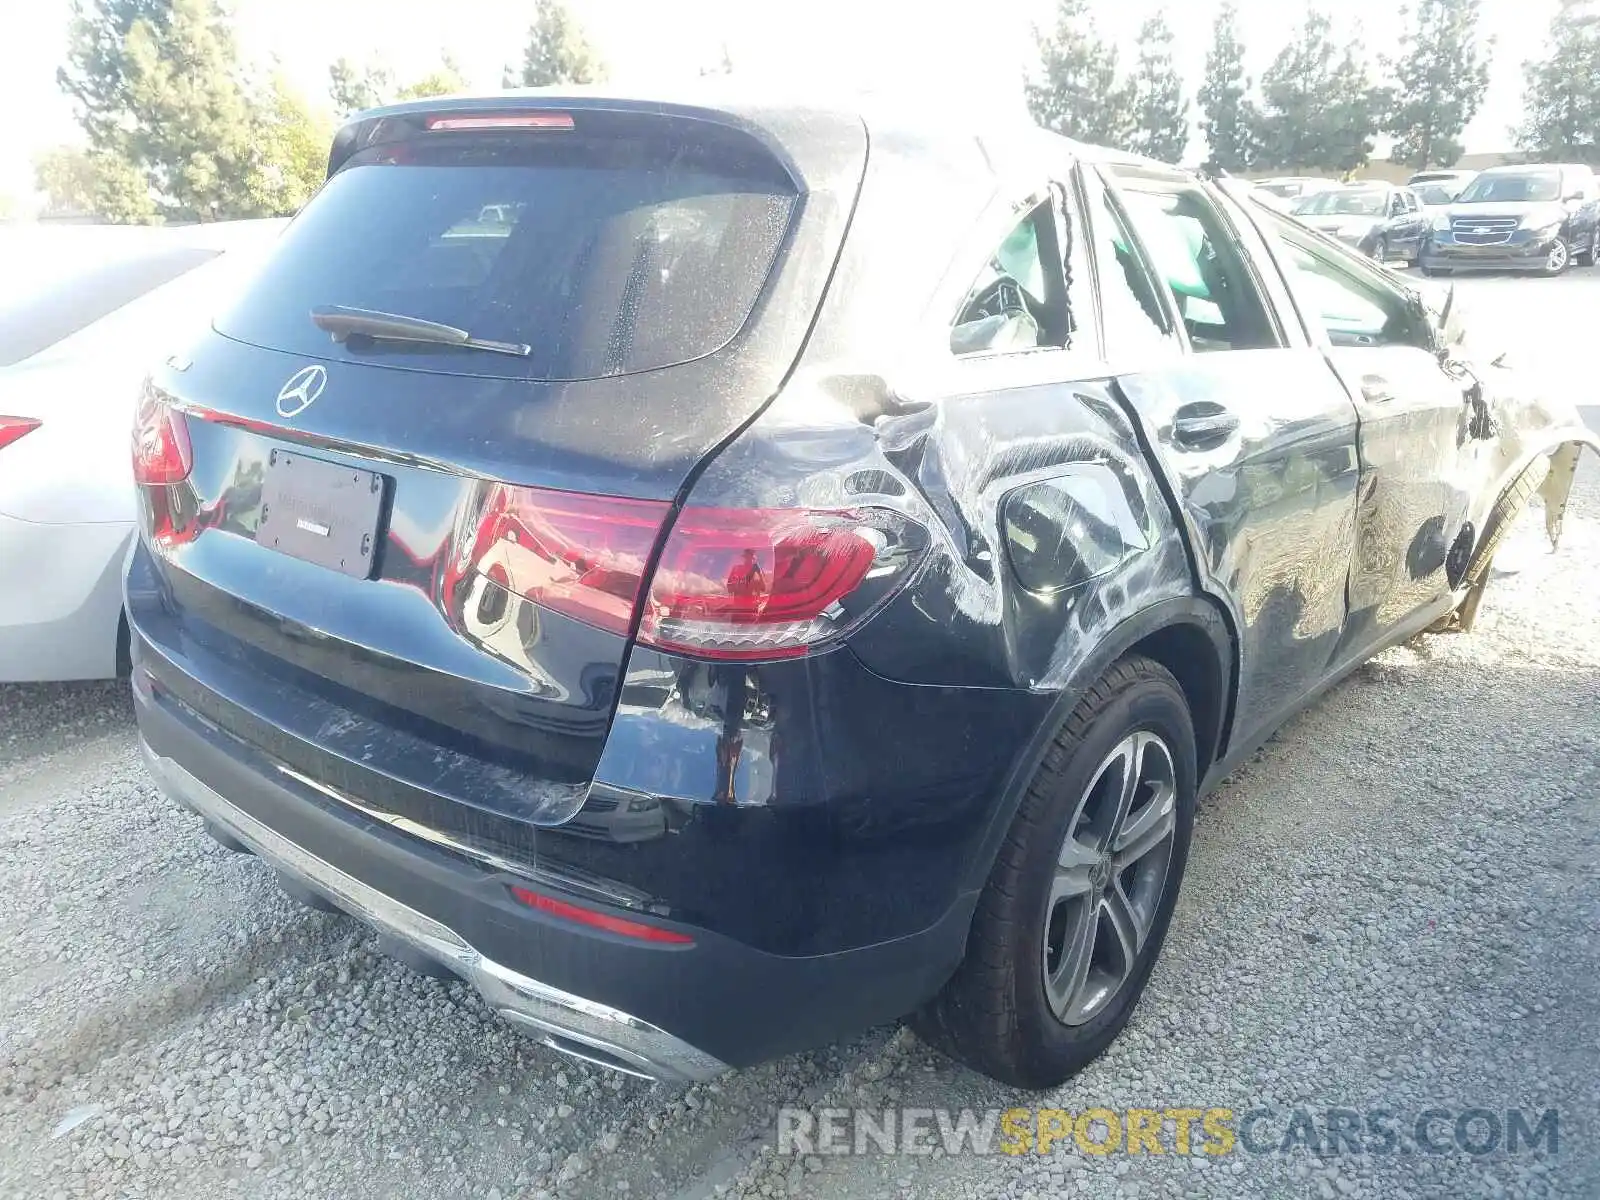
1111 873
1557 261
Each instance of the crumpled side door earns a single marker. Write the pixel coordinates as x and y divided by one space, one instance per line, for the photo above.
1423 437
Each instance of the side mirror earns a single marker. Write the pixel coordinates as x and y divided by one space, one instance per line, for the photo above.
1573 198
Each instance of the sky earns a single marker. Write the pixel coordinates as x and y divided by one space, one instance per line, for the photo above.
975 51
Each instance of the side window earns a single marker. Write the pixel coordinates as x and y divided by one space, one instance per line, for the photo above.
1352 309
1203 268
1018 301
1130 305
1410 200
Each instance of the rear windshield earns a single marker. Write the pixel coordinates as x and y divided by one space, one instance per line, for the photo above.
605 255
1345 202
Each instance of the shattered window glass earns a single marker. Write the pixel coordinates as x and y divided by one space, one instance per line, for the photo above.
1018 301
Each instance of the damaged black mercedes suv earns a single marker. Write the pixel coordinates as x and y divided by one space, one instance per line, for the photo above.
718 577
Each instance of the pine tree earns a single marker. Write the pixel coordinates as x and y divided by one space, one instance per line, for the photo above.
1561 98
158 86
96 75
1229 118
1351 116
446 78
1160 109
1440 78
557 51
176 128
291 145
353 88
1079 94
1296 92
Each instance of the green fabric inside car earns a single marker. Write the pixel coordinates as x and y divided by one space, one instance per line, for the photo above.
1176 248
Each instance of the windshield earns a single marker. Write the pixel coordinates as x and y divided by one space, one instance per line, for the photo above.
1521 186
605 255
1435 193
1370 202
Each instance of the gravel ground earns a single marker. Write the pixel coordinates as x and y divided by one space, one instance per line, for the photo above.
1394 905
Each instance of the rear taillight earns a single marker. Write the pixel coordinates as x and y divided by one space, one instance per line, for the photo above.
583 556
13 428
772 582
161 453
731 583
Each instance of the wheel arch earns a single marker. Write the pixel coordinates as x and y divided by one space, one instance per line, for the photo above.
1192 637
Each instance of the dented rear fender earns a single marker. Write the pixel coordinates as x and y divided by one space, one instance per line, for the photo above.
1048 527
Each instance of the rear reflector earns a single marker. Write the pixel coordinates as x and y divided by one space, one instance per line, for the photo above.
503 121
731 583
599 920
13 428
161 453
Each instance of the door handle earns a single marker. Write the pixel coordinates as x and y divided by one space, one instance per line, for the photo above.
1203 431
1375 389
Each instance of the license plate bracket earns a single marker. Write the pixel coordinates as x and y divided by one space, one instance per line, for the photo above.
321 512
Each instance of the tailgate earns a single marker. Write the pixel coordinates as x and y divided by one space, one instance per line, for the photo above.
402 567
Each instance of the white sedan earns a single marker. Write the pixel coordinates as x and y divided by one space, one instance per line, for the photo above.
84 313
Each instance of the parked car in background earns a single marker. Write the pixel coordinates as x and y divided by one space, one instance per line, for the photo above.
1283 192
1523 218
1381 220
85 312
1435 188
776 588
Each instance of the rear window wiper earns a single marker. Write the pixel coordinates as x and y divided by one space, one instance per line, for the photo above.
341 322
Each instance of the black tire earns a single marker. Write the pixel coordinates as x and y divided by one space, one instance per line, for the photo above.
1550 272
993 1014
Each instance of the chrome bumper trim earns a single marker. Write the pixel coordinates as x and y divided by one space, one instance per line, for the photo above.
572 1024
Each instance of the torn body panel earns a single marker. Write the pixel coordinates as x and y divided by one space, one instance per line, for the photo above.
1522 436
1536 453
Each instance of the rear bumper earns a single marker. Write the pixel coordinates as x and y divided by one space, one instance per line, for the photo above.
665 1011
562 1020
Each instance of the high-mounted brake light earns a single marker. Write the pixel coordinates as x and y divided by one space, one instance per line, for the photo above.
731 583
13 428
502 121
161 452
600 920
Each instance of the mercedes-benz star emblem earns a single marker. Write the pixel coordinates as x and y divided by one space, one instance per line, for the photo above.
302 390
